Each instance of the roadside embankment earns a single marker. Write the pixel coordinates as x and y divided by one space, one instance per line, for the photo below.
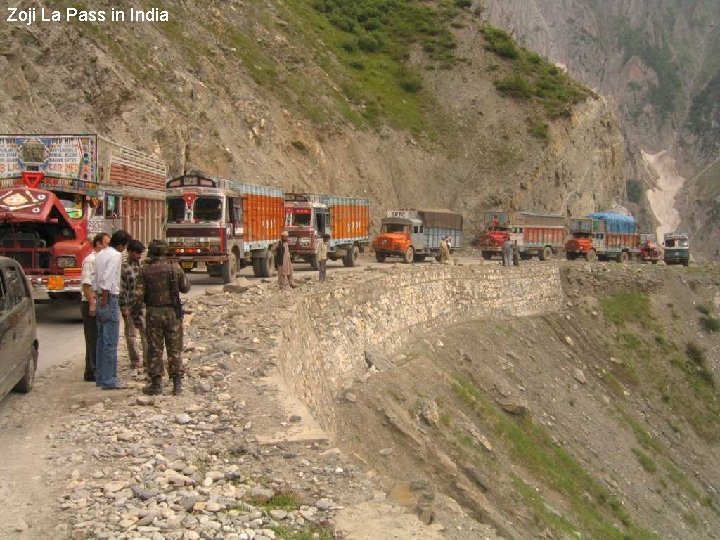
335 335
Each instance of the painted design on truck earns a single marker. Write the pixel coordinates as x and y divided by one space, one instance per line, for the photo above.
57 191
309 216
224 224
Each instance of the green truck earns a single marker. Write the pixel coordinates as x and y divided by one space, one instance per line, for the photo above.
677 249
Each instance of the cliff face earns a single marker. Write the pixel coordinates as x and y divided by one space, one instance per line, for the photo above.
256 93
659 64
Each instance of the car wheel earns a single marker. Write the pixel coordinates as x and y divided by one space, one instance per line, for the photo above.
26 383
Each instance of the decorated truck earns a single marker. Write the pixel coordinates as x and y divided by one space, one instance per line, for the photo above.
603 235
677 249
57 191
309 217
414 235
223 224
537 234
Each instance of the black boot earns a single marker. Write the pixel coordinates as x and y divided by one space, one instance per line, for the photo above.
177 386
155 387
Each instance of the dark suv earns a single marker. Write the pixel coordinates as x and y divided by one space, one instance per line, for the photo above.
18 335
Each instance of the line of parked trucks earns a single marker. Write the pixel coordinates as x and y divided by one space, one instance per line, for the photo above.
57 191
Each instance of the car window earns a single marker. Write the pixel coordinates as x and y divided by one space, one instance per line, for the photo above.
15 287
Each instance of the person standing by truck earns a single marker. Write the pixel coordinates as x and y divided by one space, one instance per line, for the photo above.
322 256
515 253
132 315
88 306
158 286
507 252
107 288
444 250
283 262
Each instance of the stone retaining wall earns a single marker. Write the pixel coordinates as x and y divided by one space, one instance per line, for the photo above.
327 334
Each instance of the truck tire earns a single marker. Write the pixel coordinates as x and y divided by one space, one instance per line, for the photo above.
229 268
380 257
351 257
257 267
314 263
487 255
686 263
623 257
214 270
267 265
591 256
570 256
409 254
545 254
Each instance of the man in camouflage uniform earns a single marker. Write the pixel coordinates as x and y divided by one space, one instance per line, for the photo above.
158 286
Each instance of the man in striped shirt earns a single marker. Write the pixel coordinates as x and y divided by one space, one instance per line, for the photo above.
131 314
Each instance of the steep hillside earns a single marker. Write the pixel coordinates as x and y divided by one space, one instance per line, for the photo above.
659 63
408 104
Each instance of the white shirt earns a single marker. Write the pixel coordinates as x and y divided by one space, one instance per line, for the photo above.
88 271
107 270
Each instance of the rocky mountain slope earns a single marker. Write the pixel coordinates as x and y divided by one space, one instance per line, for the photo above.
659 64
404 107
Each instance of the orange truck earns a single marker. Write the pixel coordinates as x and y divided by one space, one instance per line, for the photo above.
605 236
414 235
537 234
223 224
58 191
346 219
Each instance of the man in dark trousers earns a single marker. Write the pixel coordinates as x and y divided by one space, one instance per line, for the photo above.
158 286
88 307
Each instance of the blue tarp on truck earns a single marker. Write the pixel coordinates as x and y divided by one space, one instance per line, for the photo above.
616 223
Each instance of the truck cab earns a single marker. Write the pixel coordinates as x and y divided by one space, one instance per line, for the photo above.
306 221
677 249
399 237
587 239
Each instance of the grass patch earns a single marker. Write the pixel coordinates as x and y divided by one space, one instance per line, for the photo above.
645 461
602 516
532 77
286 500
710 324
627 307
312 532
696 355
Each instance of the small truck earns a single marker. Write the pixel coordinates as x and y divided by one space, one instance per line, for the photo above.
603 235
346 219
677 249
537 234
414 235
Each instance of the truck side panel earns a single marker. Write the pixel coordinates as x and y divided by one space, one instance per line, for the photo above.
618 242
544 236
123 166
350 219
263 216
433 235
143 218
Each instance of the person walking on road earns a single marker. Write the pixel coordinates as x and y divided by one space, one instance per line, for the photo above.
132 313
158 286
88 306
507 252
515 253
107 288
322 249
283 262
444 250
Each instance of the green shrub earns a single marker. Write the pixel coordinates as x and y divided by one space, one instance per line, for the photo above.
500 42
411 83
515 86
710 323
704 309
463 3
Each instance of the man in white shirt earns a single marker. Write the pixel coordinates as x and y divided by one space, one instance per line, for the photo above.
106 285
88 305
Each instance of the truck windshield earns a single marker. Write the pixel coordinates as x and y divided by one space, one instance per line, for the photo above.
208 209
301 220
73 204
176 209
676 243
394 228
